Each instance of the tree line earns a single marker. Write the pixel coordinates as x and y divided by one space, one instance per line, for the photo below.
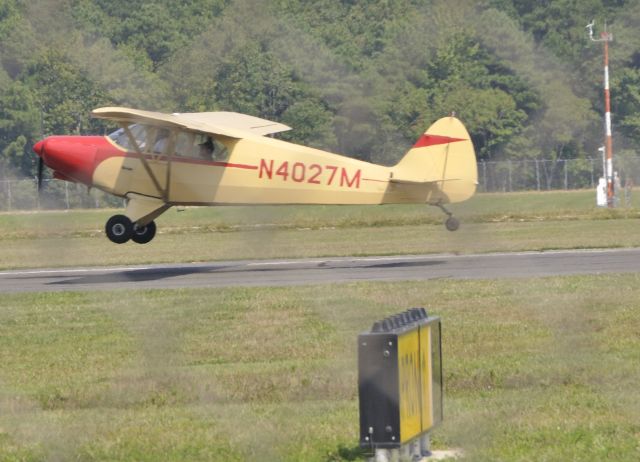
358 78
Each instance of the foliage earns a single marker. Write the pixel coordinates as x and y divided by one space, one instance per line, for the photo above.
360 78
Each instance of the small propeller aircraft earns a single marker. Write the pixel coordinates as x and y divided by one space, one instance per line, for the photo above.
157 160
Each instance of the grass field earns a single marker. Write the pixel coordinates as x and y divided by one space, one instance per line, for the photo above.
540 369
535 369
491 222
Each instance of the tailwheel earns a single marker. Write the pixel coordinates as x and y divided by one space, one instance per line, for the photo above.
144 234
452 223
119 229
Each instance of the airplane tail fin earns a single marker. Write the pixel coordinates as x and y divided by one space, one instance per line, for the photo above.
443 157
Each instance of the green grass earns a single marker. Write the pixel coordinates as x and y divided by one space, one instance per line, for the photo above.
491 222
482 208
535 369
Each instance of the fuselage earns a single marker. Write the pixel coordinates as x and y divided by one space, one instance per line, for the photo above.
251 170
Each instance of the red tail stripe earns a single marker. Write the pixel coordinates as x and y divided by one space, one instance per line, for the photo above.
433 140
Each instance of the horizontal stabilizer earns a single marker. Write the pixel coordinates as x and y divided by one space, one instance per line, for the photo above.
401 181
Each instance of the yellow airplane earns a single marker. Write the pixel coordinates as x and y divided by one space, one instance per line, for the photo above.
157 160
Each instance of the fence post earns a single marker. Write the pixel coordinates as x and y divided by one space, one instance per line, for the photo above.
566 177
37 194
66 194
9 198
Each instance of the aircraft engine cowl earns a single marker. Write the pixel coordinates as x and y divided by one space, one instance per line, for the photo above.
72 157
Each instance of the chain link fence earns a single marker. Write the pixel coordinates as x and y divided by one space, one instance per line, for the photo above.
493 176
538 175
22 194
546 175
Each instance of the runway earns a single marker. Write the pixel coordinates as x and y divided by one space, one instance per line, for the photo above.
323 271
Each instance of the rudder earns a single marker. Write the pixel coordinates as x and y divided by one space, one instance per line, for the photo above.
444 156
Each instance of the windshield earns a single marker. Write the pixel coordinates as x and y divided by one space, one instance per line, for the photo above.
138 131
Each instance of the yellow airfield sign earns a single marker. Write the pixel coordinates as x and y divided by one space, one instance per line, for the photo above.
399 379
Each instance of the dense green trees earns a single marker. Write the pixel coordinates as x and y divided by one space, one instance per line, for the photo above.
360 78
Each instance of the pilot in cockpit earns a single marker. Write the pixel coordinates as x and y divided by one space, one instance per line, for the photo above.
206 149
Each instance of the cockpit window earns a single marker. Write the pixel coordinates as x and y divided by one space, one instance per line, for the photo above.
159 140
200 146
139 133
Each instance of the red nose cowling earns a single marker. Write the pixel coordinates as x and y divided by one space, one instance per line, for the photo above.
70 157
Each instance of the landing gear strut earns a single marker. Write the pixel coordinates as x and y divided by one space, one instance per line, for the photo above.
120 229
451 223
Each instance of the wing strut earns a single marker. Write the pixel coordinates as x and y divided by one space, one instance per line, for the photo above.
134 143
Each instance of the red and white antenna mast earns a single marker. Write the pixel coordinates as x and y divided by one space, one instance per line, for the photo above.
605 38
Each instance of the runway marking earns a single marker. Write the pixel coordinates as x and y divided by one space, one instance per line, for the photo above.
73 270
240 263
341 259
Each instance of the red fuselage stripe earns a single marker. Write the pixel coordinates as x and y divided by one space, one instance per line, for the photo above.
183 160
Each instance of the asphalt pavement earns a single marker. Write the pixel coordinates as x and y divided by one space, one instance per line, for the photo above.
324 271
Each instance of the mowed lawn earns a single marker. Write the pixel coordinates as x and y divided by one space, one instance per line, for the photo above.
490 223
535 369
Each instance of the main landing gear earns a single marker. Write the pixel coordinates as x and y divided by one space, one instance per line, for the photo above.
120 229
451 223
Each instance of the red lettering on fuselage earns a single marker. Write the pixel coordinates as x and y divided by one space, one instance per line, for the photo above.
300 172
333 169
266 169
317 171
355 180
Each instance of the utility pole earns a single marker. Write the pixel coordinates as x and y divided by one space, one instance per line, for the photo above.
605 38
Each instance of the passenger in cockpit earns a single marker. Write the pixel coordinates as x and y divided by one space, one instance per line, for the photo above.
206 149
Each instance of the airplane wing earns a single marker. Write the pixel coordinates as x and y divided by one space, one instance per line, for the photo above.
231 124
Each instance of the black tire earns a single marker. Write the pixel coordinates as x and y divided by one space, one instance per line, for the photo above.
452 224
119 229
144 234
